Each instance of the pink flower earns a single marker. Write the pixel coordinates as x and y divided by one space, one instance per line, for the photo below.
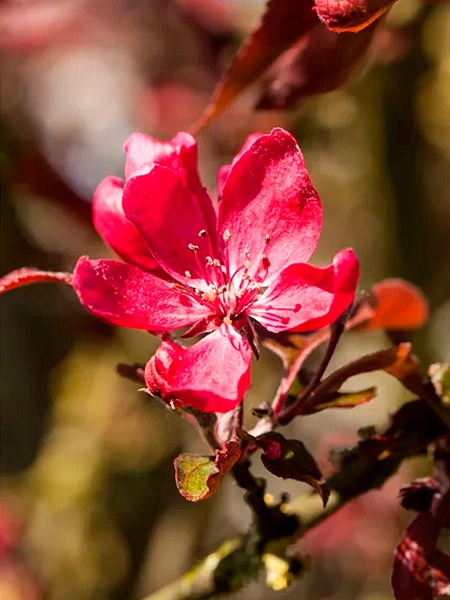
187 264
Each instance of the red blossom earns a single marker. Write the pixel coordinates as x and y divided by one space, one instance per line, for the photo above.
186 264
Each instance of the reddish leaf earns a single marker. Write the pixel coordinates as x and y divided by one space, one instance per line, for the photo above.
290 459
421 569
283 23
27 275
397 305
198 477
398 361
418 495
321 62
352 15
404 437
346 400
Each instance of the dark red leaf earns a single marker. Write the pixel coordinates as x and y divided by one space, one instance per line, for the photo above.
418 495
321 62
421 569
351 15
283 23
290 459
404 437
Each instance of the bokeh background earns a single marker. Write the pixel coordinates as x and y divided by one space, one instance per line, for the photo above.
88 506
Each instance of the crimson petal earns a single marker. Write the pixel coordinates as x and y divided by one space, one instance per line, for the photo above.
269 207
305 297
222 173
171 219
124 295
179 154
212 375
117 231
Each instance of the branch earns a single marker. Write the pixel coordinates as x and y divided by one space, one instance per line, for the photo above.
235 563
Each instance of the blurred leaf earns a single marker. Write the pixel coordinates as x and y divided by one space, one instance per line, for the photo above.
352 15
347 400
396 305
440 378
414 426
418 495
397 361
27 276
198 476
321 62
283 23
279 571
421 569
290 459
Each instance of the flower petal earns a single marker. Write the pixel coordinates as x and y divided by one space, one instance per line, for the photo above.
124 295
171 219
117 231
212 375
222 173
270 207
179 154
305 297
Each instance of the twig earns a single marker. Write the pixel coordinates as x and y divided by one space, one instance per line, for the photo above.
232 565
295 408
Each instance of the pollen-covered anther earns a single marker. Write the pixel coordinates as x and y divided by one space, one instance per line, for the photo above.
193 247
202 233
227 235
216 263
188 274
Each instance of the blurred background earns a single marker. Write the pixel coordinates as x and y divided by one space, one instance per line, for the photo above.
88 505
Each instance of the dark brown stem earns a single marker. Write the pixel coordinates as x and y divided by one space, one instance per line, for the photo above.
297 407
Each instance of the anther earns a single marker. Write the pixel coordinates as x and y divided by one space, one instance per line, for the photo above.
267 238
193 247
227 235
202 233
216 262
188 274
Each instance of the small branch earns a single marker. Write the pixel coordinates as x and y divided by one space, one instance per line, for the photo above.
296 407
235 563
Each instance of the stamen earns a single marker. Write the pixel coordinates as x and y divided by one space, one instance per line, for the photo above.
202 233
188 274
227 235
267 238
216 263
193 247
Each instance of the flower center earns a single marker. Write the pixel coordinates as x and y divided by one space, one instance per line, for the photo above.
229 294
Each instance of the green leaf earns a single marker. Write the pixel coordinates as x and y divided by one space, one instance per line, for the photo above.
347 400
199 476
290 459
